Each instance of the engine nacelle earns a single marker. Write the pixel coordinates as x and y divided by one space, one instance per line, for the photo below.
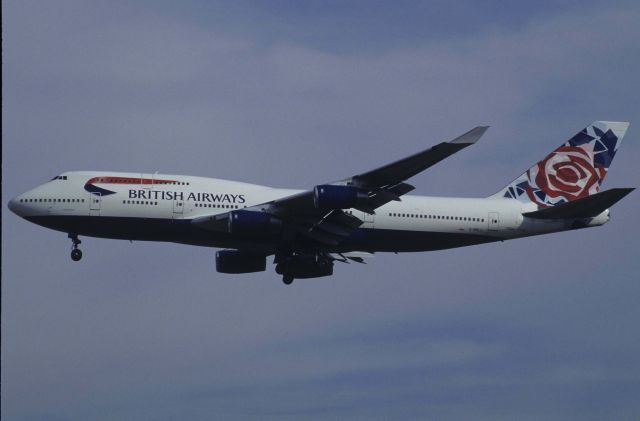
304 267
237 261
253 222
328 196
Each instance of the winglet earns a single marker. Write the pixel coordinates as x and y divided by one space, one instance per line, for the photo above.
471 136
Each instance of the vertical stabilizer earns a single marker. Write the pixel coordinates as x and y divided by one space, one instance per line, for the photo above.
573 171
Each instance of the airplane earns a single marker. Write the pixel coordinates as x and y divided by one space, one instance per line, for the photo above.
343 221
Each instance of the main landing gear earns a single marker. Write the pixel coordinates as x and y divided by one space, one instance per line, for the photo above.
282 268
287 279
76 253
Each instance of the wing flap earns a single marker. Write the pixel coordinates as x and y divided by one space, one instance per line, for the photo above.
329 229
352 256
382 197
323 237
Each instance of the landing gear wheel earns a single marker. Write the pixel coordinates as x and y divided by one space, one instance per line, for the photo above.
287 279
76 254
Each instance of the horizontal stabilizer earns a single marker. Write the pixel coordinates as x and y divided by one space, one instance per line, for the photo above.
587 207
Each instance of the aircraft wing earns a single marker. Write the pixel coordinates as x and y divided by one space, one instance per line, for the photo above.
329 225
385 183
390 175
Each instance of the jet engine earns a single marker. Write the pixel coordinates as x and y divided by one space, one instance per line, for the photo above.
253 222
238 261
328 196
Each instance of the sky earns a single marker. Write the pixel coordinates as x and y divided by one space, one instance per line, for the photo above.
294 94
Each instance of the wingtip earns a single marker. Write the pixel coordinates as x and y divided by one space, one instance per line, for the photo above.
472 136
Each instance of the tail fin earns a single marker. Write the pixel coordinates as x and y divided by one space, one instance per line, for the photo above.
573 171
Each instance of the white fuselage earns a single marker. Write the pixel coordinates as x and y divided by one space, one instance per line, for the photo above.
158 207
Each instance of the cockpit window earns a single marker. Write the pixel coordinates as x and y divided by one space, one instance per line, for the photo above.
59 177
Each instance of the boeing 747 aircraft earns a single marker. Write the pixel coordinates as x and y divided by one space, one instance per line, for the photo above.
345 221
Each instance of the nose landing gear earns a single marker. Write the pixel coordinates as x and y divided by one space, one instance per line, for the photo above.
76 253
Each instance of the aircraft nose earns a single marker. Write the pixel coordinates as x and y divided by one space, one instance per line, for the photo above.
13 205
17 206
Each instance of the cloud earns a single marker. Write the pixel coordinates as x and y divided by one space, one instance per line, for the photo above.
151 331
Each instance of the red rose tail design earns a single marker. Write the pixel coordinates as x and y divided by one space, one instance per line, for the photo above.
573 171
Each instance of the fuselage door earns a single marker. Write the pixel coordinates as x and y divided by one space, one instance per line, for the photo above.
146 181
494 221
178 208
95 202
367 218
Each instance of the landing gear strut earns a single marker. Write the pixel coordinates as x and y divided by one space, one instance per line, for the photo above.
283 263
76 253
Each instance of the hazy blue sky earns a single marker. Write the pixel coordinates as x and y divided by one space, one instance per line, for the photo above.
293 94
